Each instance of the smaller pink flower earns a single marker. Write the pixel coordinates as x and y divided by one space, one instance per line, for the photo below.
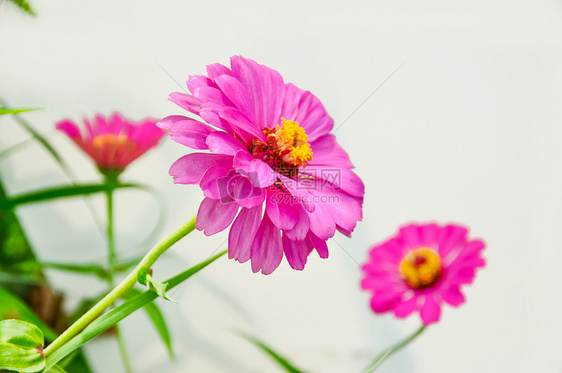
113 142
420 268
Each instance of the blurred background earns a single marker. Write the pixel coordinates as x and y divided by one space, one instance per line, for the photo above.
467 129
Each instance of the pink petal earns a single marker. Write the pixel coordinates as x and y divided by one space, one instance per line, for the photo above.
225 143
214 216
296 252
246 194
259 172
242 233
321 222
406 307
452 295
430 311
410 236
306 109
198 81
216 69
240 123
216 183
301 193
327 152
302 225
320 245
186 102
210 94
191 133
383 301
265 88
69 127
190 168
237 93
451 238
428 235
280 210
267 249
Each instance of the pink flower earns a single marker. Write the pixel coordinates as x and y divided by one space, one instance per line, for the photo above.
420 268
269 144
114 142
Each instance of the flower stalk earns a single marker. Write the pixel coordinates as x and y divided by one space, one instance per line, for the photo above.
122 288
390 351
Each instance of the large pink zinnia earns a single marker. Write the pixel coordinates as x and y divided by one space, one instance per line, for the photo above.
113 142
420 268
269 143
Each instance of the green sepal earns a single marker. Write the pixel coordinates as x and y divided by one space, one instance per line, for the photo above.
141 277
21 346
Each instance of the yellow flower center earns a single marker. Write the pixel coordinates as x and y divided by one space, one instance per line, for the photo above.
292 143
421 268
113 141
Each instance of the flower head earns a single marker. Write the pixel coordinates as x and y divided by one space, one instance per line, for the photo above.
113 142
269 145
420 268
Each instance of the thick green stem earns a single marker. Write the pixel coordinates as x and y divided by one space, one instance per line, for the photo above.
397 347
122 288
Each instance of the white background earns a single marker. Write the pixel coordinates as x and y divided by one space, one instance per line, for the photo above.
467 130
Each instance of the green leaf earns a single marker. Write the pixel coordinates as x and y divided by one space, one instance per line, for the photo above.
21 346
24 6
157 319
60 192
283 362
5 110
43 141
12 307
56 369
93 268
111 318
158 287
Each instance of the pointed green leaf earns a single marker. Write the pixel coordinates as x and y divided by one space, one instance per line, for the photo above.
157 319
60 192
93 269
56 369
12 307
21 346
111 318
24 6
283 362
5 110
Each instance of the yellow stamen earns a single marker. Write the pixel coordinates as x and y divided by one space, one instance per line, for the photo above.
292 137
421 267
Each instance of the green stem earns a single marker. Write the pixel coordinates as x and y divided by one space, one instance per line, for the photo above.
111 266
123 350
397 347
122 288
111 253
